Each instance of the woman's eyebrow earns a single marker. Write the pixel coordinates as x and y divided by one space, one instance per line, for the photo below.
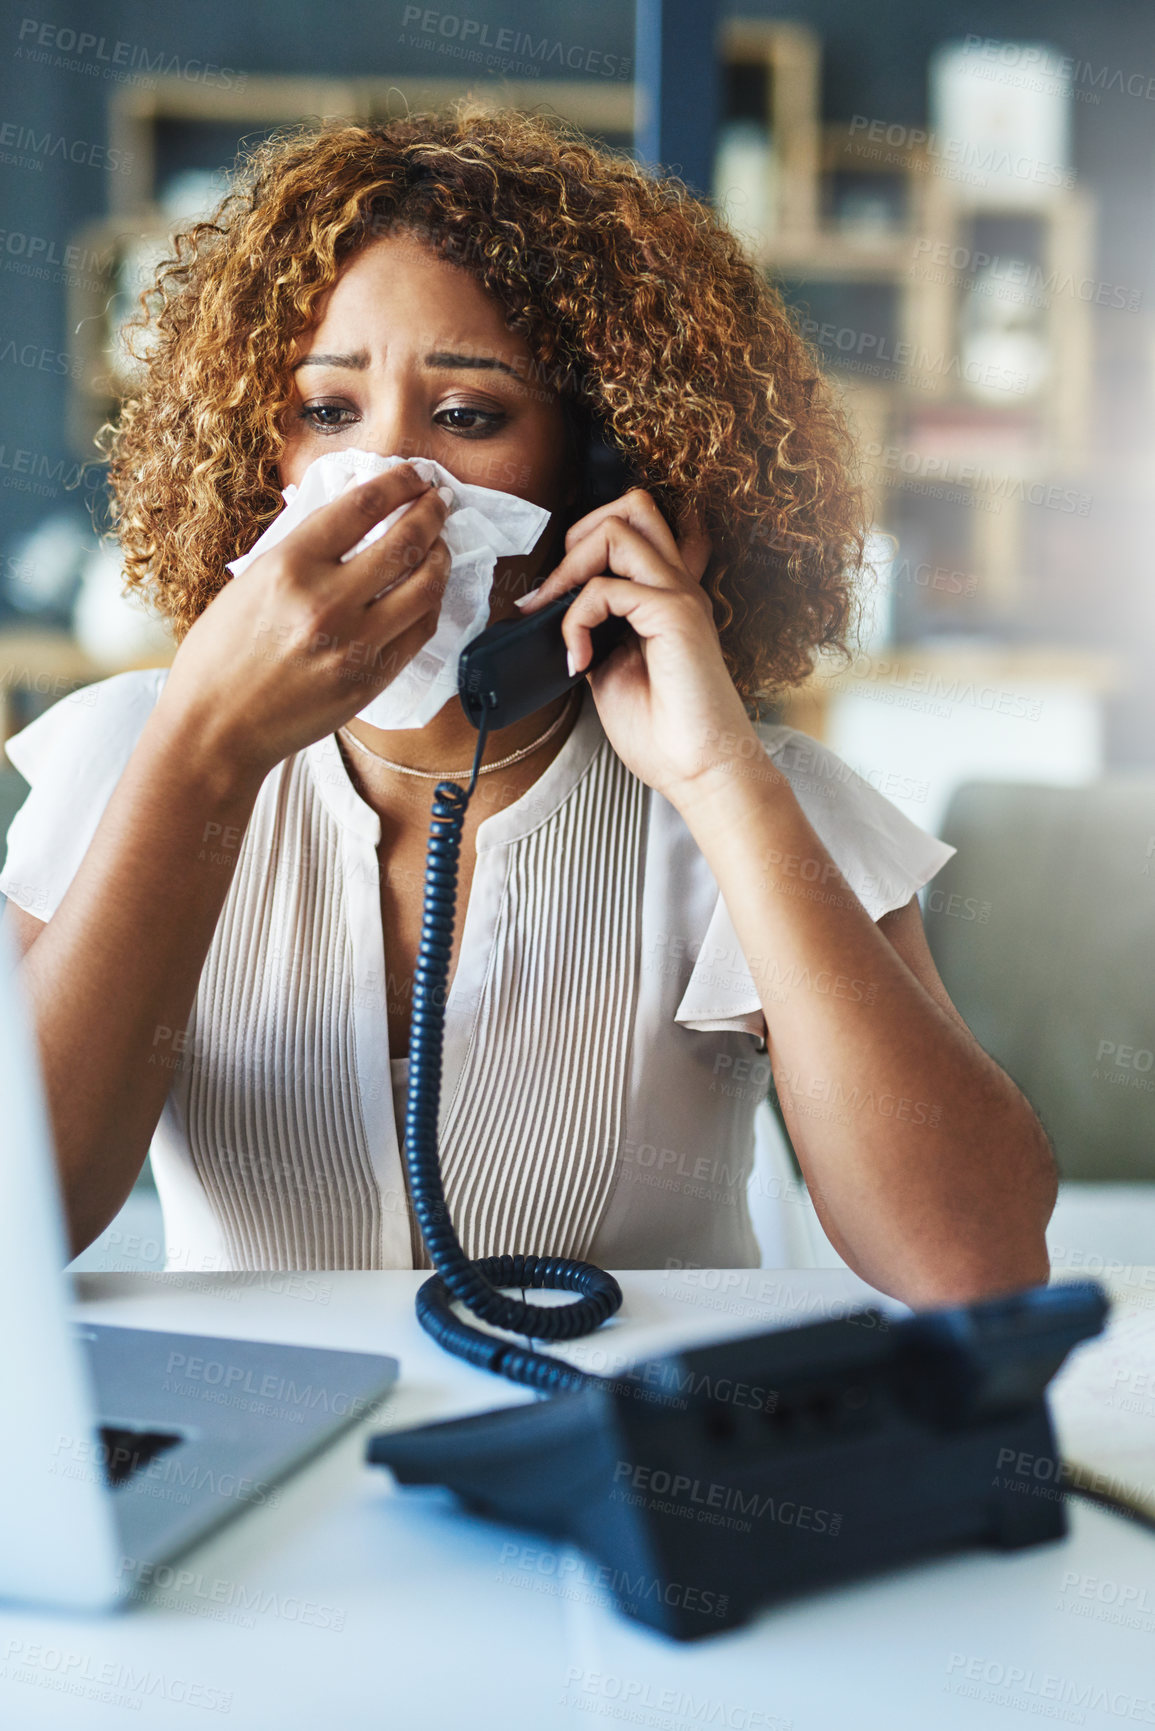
443 359
360 361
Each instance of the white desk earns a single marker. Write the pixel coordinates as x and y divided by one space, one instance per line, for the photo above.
351 1604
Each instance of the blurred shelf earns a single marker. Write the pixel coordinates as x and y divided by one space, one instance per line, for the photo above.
976 664
944 672
595 104
963 445
952 319
47 665
780 63
837 257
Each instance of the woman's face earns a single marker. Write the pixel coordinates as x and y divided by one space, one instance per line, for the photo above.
411 358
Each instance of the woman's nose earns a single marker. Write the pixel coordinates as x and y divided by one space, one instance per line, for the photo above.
393 432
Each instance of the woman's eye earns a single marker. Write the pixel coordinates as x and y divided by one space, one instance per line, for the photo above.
458 418
322 416
474 420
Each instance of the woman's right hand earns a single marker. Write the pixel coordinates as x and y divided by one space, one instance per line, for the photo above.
301 641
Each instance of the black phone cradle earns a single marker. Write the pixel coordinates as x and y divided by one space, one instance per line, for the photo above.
716 1480
711 1481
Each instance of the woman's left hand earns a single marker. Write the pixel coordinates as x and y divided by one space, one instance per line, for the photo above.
669 708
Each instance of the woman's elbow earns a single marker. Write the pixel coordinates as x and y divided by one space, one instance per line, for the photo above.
1004 1252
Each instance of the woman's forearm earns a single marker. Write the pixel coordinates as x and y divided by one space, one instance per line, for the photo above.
927 1166
111 979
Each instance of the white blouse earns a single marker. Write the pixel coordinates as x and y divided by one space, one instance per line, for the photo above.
604 1040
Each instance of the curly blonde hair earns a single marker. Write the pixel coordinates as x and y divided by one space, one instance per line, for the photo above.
635 301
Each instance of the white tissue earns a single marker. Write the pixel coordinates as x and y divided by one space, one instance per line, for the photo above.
482 526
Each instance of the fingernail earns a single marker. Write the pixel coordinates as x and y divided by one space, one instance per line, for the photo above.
524 600
447 496
569 661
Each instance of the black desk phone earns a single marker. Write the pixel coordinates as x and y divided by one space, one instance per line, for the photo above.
873 1440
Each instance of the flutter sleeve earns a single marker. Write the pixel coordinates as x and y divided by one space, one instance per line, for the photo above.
884 857
73 756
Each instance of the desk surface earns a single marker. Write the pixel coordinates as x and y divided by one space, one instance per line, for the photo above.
352 1604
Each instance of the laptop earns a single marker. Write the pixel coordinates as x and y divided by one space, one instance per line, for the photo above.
121 1447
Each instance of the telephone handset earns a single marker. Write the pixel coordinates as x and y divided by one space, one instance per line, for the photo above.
519 665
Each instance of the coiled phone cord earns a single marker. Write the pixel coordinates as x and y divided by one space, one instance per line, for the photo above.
475 1283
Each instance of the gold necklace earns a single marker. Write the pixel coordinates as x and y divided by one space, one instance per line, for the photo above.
460 774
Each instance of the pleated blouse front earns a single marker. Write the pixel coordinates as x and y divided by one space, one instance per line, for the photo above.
603 1053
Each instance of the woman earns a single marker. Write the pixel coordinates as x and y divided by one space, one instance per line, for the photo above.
655 890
